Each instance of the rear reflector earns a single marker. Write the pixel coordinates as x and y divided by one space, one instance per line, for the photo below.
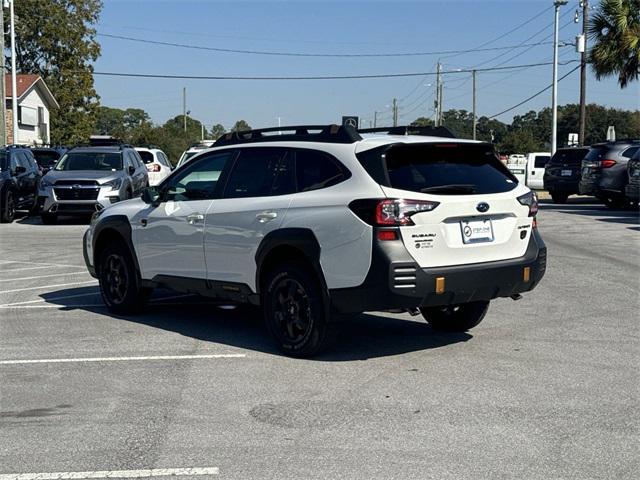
439 285
526 274
386 235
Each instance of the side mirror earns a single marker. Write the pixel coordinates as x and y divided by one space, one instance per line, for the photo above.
19 170
151 195
132 170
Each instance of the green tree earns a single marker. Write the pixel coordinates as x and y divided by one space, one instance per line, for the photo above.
615 30
421 122
217 131
240 126
519 141
56 40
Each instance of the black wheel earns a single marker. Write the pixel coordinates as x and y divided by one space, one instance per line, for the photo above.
294 310
558 197
120 284
8 212
456 318
614 203
49 218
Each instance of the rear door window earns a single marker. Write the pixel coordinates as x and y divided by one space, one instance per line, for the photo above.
630 152
255 172
315 169
540 161
440 168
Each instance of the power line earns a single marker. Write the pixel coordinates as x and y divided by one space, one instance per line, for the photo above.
302 54
319 77
535 94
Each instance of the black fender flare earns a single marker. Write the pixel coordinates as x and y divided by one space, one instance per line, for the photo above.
120 224
302 239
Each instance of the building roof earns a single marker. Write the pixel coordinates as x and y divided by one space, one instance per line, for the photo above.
24 84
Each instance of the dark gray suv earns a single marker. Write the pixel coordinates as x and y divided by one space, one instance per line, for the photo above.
604 171
88 179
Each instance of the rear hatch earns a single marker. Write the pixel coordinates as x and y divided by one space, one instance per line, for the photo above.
477 216
566 163
594 161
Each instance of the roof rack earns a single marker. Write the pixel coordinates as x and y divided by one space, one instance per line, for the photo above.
412 130
301 133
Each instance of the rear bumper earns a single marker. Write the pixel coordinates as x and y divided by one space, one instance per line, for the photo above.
558 184
588 187
396 281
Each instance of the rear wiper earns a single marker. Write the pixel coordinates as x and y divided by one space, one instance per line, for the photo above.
452 188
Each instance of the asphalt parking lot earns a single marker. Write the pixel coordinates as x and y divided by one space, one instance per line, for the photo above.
546 387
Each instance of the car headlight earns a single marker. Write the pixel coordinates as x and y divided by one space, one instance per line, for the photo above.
114 184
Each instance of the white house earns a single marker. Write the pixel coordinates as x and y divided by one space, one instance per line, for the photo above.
34 103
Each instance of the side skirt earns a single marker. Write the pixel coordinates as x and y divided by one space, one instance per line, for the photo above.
234 292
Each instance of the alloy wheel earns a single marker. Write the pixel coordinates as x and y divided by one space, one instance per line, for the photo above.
291 310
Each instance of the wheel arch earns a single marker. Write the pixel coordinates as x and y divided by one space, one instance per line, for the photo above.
289 244
113 229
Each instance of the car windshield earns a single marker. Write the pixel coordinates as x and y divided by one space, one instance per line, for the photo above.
107 161
46 158
147 157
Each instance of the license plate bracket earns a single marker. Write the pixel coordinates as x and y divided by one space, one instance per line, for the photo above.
566 173
476 231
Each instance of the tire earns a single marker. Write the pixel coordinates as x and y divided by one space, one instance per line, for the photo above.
558 197
294 311
120 284
49 218
456 318
8 212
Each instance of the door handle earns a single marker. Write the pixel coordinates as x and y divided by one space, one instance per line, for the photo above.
265 217
195 218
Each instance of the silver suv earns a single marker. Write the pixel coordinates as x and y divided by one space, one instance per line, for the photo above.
88 179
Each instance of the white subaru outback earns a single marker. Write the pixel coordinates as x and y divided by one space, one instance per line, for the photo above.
314 221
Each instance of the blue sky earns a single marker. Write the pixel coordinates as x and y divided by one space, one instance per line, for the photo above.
334 27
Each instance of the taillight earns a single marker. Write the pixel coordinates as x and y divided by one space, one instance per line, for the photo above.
607 163
390 212
530 199
153 167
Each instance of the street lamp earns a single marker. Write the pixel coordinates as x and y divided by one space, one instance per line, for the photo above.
554 89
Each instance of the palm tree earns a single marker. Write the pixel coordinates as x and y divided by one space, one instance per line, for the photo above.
615 30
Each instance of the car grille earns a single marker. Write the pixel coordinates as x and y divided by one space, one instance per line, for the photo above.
77 193
76 182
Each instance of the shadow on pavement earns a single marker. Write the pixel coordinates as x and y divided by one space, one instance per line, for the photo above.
62 220
356 338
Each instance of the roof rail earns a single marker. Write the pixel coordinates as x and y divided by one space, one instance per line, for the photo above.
301 133
412 130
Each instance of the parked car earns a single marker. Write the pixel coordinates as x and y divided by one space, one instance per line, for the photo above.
88 179
19 179
46 157
632 189
562 173
323 221
193 150
158 165
604 171
535 169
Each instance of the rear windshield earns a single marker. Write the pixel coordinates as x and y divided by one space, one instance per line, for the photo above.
596 153
3 161
147 157
107 161
573 156
46 158
443 169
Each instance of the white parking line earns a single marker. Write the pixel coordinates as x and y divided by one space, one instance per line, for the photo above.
147 473
44 287
80 305
43 276
21 269
42 300
4 262
123 359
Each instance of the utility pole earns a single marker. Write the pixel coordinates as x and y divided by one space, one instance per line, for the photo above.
475 118
583 72
438 93
395 112
375 119
184 108
554 90
14 88
440 105
3 100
